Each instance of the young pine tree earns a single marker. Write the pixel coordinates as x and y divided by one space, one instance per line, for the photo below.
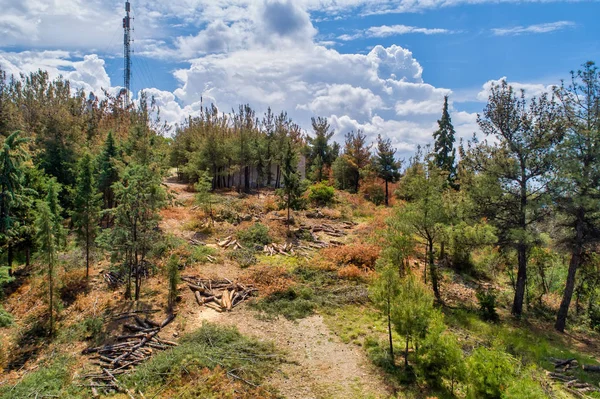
108 172
173 278
386 165
384 293
86 214
47 239
292 186
60 234
444 151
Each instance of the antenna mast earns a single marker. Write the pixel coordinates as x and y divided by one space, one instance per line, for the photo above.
127 50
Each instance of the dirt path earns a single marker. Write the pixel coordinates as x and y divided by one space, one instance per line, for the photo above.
318 366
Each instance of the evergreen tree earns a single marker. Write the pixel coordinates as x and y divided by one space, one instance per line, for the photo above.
47 238
514 172
386 165
12 156
52 199
358 155
108 172
444 152
292 186
577 182
384 293
173 279
86 214
319 149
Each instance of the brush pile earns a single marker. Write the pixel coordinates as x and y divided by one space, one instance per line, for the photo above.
229 242
221 295
286 249
131 349
564 373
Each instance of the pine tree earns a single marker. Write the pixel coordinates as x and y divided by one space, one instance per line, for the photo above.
52 199
384 293
358 155
386 165
12 156
445 153
577 183
319 149
292 186
47 238
173 278
86 214
108 172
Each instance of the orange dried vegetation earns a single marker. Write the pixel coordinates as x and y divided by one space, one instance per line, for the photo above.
360 255
269 279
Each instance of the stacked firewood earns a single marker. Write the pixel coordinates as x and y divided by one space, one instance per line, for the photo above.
229 242
563 372
132 348
221 294
286 249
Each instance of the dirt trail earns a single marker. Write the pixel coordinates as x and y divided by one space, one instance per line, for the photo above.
318 364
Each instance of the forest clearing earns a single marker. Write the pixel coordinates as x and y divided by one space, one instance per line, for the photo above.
210 265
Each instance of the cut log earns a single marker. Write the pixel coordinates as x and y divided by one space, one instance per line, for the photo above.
591 368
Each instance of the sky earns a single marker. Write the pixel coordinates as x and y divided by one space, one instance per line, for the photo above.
380 66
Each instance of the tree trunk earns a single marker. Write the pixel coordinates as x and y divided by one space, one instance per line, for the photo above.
27 256
246 179
406 353
51 283
517 309
563 311
389 317
386 194
434 275
10 259
87 260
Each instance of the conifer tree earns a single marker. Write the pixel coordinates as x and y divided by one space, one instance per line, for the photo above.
108 172
292 186
386 165
358 155
47 238
444 151
12 156
56 210
577 182
320 153
86 214
384 292
173 279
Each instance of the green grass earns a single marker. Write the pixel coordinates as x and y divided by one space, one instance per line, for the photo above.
199 254
317 289
6 319
210 347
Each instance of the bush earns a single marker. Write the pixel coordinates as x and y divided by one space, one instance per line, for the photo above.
244 257
440 356
321 194
374 193
489 372
6 318
50 380
487 304
524 388
361 255
257 234
292 303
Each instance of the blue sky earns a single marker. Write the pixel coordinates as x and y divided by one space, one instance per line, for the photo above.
380 66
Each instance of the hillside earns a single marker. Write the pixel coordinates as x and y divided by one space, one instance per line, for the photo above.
309 331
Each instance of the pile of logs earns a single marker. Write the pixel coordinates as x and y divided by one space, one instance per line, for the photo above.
563 373
120 358
286 249
113 279
229 242
221 295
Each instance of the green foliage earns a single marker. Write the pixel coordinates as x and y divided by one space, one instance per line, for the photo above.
385 163
203 188
358 156
46 225
50 380
525 387
293 187
320 153
487 304
342 172
245 257
209 347
293 303
464 238
445 153
440 357
374 193
6 319
108 171
489 373
200 253
255 235
321 194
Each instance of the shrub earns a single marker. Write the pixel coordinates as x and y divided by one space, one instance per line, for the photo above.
243 256
351 272
200 253
6 318
489 372
487 304
524 388
49 380
374 192
292 303
361 255
257 234
321 194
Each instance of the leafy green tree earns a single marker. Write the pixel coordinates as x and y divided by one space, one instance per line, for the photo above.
47 238
320 153
384 293
424 214
358 155
444 151
86 215
577 182
293 189
386 165
413 312
139 196
513 173
12 157
489 371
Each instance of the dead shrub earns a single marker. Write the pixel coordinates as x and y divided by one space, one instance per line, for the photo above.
350 272
360 255
270 279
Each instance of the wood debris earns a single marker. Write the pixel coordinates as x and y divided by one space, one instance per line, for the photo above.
273 249
133 347
563 373
229 242
220 294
